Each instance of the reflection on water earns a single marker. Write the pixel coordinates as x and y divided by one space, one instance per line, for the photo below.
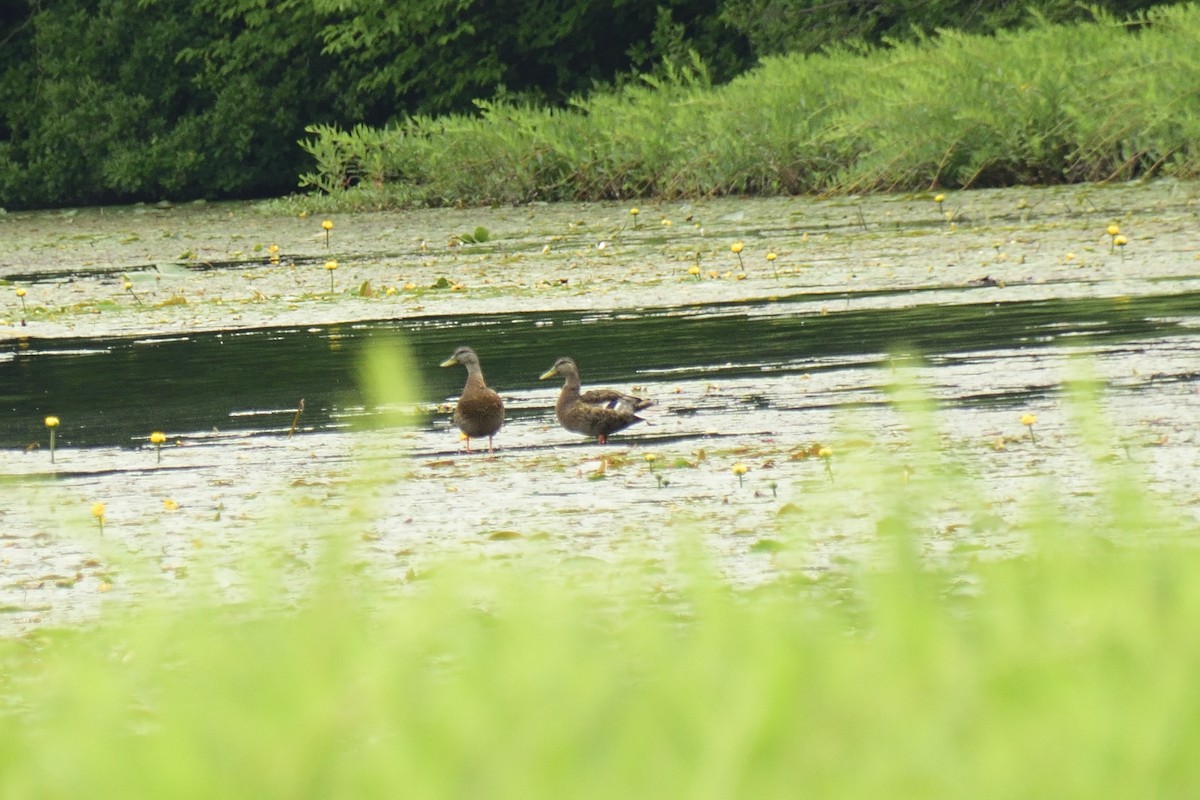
114 391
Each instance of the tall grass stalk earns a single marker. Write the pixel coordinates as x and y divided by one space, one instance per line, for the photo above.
1070 674
1054 104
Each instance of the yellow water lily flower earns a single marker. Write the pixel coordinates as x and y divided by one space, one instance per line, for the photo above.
1027 420
740 470
157 438
736 247
826 454
52 424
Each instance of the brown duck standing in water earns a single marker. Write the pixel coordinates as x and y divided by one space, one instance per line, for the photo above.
480 411
597 412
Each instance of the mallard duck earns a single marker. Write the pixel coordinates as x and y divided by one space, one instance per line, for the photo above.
598 412
480 411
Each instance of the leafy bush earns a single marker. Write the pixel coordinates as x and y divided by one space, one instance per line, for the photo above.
140 98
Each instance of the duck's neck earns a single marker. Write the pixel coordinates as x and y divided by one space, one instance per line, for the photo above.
572 381
570 390
475 376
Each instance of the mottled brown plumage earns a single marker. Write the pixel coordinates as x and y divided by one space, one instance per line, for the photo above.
480 411
597 412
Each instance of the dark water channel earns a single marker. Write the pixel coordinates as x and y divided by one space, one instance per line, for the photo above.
113 392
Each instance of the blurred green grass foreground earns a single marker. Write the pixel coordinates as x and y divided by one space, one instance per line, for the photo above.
1069 671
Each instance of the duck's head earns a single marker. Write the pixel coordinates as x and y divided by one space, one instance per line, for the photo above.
564 366
463 355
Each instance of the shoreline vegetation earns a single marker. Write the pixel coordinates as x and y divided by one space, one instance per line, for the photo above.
1111 100
125 101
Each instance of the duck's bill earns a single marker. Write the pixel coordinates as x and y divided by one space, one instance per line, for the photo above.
550 373
449 362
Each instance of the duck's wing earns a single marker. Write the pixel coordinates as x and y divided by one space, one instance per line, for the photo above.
616 401
600 420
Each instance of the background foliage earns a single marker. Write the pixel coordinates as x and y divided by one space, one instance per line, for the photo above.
1091 102
775 27
108 100
115 100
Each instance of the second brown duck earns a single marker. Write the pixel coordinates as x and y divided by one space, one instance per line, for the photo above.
597 412
480 411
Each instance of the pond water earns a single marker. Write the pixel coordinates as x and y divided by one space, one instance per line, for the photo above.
761 372
202 387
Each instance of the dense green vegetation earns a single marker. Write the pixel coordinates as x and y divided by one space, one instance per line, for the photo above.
113 100
1053 104
106 101
1066 672
776 27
